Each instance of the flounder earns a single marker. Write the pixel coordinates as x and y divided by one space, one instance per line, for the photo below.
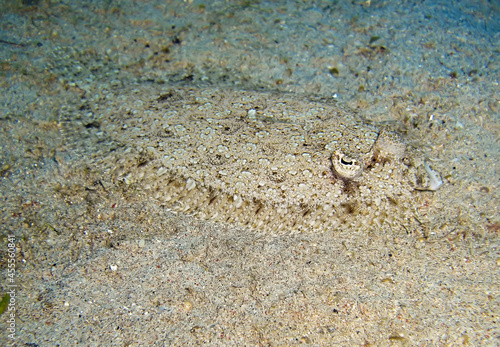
269 161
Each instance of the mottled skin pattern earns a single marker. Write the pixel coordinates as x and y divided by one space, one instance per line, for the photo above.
260 160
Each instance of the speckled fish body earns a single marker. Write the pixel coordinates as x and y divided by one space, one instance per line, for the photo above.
261 160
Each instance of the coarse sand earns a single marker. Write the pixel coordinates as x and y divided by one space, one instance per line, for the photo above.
96 264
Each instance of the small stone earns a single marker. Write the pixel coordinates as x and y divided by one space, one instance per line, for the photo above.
188 305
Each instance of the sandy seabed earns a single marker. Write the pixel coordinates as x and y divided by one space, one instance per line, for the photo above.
96 267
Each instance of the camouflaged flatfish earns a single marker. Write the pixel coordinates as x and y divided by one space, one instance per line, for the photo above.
267 161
